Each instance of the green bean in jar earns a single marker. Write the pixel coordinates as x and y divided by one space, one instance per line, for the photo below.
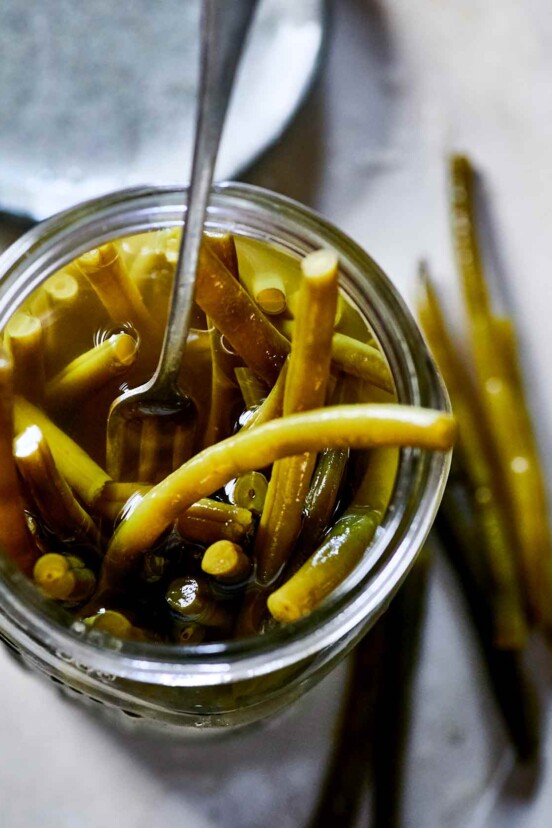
291 466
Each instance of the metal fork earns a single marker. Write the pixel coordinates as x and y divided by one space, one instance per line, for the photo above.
156 422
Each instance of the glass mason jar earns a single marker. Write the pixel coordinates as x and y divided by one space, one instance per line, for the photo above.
217 686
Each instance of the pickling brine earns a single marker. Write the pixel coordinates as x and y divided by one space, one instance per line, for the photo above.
245 520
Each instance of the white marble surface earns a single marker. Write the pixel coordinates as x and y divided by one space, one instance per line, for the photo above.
404 83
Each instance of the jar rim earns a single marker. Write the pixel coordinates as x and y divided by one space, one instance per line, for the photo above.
24 615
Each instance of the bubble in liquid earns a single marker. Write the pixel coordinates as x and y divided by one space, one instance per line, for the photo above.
103 334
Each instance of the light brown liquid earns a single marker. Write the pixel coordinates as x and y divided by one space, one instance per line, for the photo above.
74 319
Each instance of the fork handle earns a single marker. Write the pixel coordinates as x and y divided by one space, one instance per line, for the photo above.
224 25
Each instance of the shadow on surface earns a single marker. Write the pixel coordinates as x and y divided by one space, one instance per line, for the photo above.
316 153
243 779
523 782
11 227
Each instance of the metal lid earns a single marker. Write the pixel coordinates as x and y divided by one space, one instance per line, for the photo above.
98 96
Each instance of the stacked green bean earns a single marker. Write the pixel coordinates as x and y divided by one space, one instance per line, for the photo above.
493 521
295 454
